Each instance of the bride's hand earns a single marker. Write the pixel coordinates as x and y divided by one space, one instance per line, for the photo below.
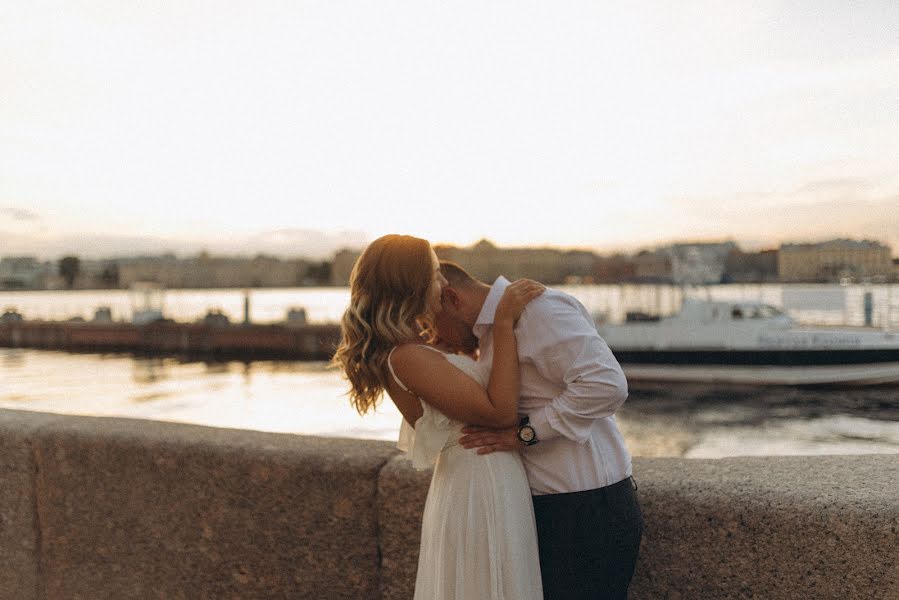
515 298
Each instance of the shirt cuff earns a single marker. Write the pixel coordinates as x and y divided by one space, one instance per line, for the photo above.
541 422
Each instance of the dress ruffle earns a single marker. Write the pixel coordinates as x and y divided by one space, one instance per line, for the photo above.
433 430
425 441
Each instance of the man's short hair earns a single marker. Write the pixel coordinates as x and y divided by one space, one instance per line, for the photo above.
455 275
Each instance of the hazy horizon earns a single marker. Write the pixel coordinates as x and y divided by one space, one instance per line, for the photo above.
301 127
318 246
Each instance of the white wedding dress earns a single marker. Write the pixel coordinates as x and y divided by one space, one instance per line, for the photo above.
478 535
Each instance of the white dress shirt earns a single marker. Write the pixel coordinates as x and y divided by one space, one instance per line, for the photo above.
571 386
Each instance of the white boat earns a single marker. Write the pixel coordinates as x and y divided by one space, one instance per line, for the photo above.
750 342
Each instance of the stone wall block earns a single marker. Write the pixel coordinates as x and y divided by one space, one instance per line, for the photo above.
140 509
401 499
774 528
19 540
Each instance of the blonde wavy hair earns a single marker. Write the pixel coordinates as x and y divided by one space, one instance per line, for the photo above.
389 288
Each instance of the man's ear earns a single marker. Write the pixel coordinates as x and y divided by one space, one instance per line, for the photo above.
451 297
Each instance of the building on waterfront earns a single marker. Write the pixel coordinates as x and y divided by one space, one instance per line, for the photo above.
342 266
834 261
652 266
162 269
486 262
750 267
94 274
615 268
688 263
699 263
206 271
683 263
25 273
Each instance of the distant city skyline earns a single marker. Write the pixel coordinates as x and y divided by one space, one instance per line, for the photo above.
297 128
681 264
289 244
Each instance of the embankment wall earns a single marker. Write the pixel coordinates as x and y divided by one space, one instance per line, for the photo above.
95 508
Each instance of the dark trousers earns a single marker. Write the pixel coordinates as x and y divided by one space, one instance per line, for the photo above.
588 542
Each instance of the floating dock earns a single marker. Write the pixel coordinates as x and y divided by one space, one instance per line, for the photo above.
196 340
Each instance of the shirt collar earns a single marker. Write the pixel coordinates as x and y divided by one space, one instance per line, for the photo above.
488 309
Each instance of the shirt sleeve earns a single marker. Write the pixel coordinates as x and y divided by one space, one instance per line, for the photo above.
562 343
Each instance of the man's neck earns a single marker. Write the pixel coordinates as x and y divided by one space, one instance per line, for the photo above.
479 294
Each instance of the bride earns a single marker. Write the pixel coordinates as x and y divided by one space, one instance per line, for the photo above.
478 537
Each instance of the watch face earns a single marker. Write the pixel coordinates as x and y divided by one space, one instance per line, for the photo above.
527 434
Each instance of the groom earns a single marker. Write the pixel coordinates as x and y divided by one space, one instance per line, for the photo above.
589 523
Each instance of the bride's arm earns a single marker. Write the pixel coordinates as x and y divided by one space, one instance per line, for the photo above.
436 381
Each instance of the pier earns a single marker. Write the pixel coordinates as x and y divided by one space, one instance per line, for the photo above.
197 340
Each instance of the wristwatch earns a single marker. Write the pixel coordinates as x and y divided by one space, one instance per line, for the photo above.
526 432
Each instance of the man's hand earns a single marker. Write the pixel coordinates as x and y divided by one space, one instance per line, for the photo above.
490 440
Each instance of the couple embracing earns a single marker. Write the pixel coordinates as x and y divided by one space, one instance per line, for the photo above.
508 392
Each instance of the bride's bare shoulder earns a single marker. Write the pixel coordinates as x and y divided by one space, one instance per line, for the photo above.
414 352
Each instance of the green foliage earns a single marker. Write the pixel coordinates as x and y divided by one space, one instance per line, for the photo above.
69 266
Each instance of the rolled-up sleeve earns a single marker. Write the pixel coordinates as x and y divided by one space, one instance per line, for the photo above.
563 345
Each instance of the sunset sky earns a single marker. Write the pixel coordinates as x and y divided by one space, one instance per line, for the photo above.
298 126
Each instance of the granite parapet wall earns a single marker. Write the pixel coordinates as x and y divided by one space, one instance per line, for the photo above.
19 530
125 508
774 528
778 528
118 508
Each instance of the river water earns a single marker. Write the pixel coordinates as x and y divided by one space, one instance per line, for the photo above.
307 397
821 304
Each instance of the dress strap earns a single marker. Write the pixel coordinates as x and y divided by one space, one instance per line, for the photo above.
392 372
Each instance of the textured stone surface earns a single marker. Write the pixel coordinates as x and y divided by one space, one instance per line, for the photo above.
140 509
774 528
19 540
401 499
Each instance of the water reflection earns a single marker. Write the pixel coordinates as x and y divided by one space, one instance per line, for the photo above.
213 368
751 405
150 397
11 358
148 369
708 421
309 398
